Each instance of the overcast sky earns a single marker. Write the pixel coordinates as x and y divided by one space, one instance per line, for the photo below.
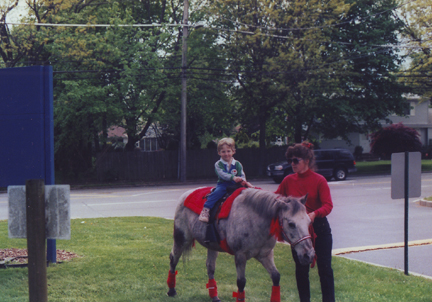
14 15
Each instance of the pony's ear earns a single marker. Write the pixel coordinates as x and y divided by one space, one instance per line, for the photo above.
281 204
303 199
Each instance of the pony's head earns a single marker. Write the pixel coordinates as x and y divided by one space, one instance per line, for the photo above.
295 223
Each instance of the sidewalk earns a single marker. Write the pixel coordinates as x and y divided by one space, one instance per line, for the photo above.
393 255
419 263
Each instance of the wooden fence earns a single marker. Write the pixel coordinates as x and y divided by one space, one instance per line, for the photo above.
164 165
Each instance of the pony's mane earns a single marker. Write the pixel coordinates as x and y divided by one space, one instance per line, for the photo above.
263 202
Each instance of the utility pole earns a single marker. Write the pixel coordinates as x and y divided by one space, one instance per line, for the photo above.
184 93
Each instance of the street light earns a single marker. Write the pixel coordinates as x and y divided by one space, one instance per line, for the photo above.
184 94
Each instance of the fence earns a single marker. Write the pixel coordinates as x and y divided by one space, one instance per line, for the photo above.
164 165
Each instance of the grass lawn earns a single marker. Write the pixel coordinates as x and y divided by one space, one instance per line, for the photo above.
126 259
384 167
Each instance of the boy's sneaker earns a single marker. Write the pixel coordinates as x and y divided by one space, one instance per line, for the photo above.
205 215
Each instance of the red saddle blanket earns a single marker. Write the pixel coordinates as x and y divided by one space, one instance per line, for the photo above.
195 201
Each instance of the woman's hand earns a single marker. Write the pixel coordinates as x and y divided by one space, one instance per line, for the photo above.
312 216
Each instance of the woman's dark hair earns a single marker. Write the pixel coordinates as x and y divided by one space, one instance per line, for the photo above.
304 151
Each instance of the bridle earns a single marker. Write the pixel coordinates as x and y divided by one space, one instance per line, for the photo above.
292 244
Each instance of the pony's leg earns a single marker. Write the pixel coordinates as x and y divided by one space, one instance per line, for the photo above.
211 267
240 262
268 263
180 245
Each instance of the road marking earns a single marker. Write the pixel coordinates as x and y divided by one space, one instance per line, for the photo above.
131 202
157 192
349 250
96 195
377 189
88 196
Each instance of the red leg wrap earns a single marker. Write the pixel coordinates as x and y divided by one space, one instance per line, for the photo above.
211 285
275 296
171 281
240 296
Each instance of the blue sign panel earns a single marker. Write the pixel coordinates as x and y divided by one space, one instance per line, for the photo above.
26 123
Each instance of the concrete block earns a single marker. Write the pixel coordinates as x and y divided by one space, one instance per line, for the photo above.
17 212
57 212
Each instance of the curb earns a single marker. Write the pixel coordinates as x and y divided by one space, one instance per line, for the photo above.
343 251
425 203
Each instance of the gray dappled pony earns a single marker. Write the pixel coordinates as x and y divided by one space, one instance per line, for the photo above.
247 233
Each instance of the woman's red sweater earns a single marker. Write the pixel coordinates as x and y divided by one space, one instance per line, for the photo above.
311 183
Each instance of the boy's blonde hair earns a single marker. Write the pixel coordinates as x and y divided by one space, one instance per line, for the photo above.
226 141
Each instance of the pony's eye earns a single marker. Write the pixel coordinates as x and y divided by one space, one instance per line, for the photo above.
292 225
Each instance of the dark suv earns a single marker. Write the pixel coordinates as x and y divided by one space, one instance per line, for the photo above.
330 163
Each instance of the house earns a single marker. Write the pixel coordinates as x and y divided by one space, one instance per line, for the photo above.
117 136
418 116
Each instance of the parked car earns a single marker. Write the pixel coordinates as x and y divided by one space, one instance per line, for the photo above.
330 163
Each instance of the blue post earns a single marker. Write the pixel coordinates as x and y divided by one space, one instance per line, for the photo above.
49 146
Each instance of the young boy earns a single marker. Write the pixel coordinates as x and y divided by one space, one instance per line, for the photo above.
229 171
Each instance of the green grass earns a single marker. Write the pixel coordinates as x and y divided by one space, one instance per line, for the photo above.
384 167
126 259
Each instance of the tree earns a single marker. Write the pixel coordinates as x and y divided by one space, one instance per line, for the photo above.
319 62
395 138
124 76
22 42
349 83
418 43
210 112
368 90
275 51
110 76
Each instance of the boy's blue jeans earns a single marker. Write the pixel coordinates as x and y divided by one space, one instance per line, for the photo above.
221 189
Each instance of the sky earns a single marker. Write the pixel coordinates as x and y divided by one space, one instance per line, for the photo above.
14 15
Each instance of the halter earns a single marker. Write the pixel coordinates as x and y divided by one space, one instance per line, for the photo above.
293 244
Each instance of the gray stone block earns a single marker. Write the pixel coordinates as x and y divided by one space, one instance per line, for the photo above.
17 212
57 212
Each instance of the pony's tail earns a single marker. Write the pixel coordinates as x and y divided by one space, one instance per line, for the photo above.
187 250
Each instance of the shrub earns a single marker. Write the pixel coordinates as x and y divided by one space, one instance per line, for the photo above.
393 139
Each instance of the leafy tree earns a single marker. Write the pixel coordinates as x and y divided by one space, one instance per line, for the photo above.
349 83
310 69
210 112
275 52
121 71
368 91
417 39
23 42
395 138
5 38
319 62
124 76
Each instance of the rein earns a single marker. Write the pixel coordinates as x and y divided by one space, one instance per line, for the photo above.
292 244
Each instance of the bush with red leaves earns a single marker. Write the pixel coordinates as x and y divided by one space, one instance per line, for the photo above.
393 139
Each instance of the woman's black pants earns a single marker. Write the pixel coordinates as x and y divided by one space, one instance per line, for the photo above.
323 250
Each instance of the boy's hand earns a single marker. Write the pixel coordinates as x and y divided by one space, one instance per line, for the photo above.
238 179
247 184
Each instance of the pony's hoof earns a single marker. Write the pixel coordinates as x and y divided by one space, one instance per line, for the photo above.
172 292
216 299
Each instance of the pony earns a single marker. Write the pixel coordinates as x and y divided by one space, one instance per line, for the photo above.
248 232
